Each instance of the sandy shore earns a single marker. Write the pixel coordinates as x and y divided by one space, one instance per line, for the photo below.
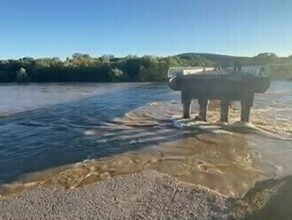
145 195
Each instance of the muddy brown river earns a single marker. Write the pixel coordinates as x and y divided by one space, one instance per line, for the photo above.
68 135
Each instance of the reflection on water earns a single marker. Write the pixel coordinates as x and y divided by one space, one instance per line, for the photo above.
139 127
18 98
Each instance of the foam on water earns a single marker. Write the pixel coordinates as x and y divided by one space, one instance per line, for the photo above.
204 160
212 154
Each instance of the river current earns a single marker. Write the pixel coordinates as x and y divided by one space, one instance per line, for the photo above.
69 135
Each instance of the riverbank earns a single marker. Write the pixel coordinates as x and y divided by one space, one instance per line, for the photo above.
147 195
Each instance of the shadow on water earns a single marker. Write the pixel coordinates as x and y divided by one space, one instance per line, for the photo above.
50 137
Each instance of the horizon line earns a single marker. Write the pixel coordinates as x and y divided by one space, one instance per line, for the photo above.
137 55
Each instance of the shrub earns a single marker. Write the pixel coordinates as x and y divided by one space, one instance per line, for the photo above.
21 75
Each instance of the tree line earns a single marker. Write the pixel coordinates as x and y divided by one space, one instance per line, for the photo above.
84 68
107 68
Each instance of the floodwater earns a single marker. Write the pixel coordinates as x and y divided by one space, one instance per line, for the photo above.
68 135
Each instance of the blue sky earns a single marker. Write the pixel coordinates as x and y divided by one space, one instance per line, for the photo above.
59 28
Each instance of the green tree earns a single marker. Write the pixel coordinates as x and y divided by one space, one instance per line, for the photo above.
21 75
116 74
265 58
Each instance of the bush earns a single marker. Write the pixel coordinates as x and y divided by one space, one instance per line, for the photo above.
116 74
21 75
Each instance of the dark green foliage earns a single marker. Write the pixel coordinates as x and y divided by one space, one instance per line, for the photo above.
21 76
107 68
116 74
84 68
4 76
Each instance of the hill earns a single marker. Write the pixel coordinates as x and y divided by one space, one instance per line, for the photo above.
223 60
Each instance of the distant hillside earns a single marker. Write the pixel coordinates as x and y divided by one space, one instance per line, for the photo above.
279 67
223 60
